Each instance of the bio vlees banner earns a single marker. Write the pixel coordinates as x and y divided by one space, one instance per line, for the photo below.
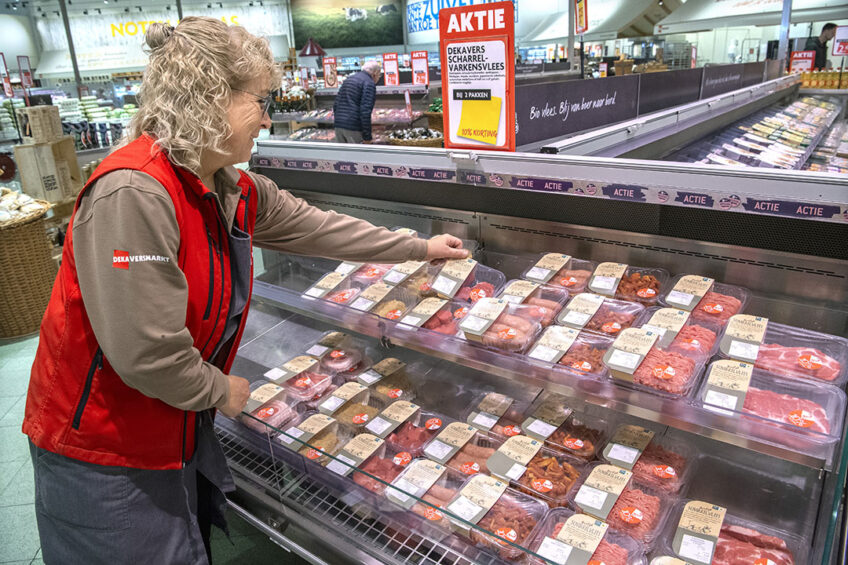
478 76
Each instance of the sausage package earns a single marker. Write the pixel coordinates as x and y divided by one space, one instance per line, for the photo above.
701 533
611 494
505 519
635 361
558 269
792 406
546 301
706 299
498 324
680 331
785 350
634 284
660 462
599 315
568 538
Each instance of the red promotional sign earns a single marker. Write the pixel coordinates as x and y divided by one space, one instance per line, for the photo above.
477 46
802 61
581 16
840 42
420 71
25 70
390 69
694 61
331 77
4 74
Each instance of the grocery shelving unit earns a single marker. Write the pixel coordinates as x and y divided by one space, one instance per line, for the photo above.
520 204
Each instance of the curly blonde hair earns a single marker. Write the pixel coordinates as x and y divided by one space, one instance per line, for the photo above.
188 83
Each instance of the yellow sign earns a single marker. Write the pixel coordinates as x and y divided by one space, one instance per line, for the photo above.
134 28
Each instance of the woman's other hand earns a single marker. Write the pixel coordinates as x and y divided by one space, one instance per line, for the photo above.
239 393
445 246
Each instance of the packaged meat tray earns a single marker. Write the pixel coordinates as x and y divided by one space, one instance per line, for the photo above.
369 273
664 464
634 284
378 472
573 275
794 407
706 299
579 436
500 325
427 481
738 541
784 350
546 301
437 315
473 455
384 300
398 385
579 352
603 316
335 287
635 361
271 415
508 516
638 510
314 435
307 385
413 436
466 280
338 352
680 331
364 460
563 533
356 415
261 391
547 475
496 413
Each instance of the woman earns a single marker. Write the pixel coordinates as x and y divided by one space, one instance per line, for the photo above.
150 302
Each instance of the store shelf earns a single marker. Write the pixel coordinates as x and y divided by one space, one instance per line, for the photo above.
381 90
283 286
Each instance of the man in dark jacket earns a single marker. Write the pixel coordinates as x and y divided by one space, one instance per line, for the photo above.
353 105
819 45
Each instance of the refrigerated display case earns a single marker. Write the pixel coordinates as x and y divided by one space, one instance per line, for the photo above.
778 234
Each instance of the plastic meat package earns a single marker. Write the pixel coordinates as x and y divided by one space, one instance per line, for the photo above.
514 330
356 415
413 436
274 413
638 284
438 495
614 548
547 301
586 355
446 320
611 317
579 437
640 511
717 305
472 457
307 385
665 465
697 338
339 353
795 352
383 465
794 407
480 282
550 477
573 276
507 424
740 541
329 440
369 273
513 517
397 386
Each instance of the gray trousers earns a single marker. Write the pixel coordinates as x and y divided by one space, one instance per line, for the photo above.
91 514
348 136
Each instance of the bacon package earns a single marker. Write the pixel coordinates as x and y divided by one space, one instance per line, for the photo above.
551 542
707 300
793 406
786 351
544 302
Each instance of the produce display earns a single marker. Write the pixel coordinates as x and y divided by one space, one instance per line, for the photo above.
415 133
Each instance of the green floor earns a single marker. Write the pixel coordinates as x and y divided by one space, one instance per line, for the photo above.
18 533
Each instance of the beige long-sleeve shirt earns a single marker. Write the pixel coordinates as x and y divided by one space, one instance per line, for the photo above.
139 321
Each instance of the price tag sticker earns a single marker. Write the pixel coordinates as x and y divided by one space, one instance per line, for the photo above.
554 550
341 465
485 421
437 450
545 353
464 508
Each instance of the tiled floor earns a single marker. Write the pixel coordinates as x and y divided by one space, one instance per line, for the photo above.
18 533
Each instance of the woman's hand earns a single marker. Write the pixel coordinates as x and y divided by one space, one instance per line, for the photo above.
239 393
445 246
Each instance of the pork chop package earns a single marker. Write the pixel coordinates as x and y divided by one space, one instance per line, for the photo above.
634 284
547 301
503 516
498 324
680 331
702 533
612 494
558 269
658 461
578 352
792 406
705 298
566 537
785 350
637 361
603 316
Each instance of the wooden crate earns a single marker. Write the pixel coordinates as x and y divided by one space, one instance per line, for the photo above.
40 124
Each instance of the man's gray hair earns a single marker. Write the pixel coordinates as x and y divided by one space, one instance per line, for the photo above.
373 68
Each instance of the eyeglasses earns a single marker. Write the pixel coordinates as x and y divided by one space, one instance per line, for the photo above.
264 101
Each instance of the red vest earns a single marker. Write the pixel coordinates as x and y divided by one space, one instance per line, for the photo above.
77 405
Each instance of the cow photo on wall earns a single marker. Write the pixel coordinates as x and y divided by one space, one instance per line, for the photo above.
347 23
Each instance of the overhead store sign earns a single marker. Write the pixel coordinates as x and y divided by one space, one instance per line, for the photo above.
390 69
423 15
840 42
478 76
801 61
420 70
581 16
4 74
